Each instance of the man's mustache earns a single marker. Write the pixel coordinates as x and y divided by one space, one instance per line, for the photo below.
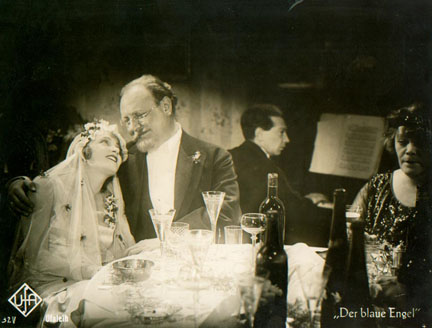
136 134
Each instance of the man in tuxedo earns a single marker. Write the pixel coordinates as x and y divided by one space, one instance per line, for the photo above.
265 131
166 167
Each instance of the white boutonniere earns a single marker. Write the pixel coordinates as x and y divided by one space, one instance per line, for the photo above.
196 157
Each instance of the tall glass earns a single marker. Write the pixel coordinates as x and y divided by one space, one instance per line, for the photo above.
213 201
352 213
250 289
253 224
162 222
199 241
313 279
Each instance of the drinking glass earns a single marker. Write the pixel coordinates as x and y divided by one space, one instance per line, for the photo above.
213 201
233 234
397 254
313 279
162 222
253 224
199 241
352 213
250 288
179 228
177 238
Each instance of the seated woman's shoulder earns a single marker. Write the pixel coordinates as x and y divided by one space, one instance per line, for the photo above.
381 177
44 187
42 180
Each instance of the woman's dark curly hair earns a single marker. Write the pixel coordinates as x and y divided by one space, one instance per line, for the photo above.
415 118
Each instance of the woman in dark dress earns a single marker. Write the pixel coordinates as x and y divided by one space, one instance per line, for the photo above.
397 209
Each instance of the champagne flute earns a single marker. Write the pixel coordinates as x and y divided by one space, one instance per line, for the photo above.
253 224
250 289
213 201
162 222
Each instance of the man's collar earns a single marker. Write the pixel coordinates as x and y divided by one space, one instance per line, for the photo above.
264 151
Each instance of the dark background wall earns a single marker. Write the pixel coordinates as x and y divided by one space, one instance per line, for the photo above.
63 62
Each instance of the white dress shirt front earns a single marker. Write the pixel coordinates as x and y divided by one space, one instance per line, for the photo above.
161 166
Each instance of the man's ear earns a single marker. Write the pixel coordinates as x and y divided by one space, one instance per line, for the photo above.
258 133
166 106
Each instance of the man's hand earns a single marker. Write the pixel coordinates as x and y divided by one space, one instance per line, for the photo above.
317 198
18 200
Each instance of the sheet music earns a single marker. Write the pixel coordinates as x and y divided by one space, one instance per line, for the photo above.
348 145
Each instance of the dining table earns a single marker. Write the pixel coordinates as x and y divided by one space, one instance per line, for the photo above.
170 298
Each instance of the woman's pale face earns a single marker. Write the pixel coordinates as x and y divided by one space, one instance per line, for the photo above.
413 159
105 154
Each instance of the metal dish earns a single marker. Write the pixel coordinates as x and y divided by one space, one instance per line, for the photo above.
133 270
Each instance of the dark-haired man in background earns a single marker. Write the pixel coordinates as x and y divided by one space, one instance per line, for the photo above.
265 131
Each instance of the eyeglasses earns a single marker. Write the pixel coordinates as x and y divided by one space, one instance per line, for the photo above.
137 117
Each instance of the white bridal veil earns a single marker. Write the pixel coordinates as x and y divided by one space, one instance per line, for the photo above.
64 235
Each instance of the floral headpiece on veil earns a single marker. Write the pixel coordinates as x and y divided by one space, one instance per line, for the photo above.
91 131
82 223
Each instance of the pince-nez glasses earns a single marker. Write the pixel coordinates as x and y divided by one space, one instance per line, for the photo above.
137 117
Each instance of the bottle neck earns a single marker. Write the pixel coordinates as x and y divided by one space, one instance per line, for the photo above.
272 185
357 229
338 226
272 191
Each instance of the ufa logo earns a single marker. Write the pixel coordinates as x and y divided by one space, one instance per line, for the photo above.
25 300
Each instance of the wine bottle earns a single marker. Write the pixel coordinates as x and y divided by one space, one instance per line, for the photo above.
272 263
336 260
356 295
273 206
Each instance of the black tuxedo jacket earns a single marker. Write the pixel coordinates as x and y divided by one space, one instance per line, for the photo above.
252 167
200 167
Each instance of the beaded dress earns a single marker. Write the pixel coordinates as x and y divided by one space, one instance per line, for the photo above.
385 216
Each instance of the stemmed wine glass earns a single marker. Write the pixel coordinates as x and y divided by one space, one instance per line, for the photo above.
199 241
250 288
213 201
313 279
253 224
162 222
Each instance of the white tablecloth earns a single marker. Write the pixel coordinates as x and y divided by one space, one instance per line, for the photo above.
117 304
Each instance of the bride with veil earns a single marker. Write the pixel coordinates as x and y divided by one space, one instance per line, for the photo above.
78 223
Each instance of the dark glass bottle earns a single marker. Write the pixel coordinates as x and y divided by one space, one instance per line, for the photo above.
272 262
273 206
336 261
356 294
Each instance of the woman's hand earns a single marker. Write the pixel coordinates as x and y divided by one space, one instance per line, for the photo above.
147 245
389 292
269 292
